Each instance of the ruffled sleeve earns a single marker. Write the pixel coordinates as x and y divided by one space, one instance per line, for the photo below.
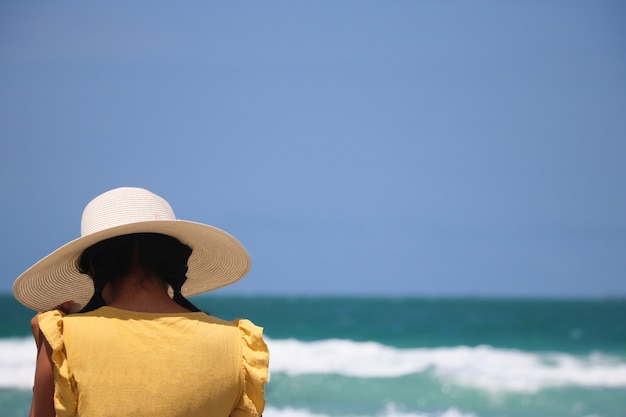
65 400
255 363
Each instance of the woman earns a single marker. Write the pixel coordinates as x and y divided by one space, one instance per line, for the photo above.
137 346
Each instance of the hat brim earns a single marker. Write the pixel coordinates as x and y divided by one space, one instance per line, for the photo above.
217 260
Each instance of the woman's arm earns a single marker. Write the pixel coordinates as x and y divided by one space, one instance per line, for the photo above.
43 390
34 326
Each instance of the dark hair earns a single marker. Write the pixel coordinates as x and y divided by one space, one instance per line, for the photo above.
153 253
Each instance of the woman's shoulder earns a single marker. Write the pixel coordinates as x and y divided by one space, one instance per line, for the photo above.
244 327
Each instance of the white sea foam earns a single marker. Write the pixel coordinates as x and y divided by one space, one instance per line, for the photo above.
481 367
17 363
390 411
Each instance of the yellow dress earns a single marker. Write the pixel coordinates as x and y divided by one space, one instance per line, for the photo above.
112 362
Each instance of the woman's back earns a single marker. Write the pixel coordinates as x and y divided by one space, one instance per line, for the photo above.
114 362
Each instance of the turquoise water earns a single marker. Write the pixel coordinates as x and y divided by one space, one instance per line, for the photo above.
408 356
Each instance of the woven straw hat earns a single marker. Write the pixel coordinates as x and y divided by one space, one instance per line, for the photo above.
218 259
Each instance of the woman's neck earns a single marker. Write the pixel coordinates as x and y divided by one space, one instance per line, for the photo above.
141 292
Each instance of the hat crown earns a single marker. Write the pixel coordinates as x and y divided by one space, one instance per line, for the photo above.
123 206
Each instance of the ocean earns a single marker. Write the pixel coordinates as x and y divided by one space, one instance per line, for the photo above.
406 357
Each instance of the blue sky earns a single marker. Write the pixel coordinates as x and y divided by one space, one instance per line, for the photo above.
355 147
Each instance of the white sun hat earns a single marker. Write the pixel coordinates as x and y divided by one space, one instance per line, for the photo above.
217 260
